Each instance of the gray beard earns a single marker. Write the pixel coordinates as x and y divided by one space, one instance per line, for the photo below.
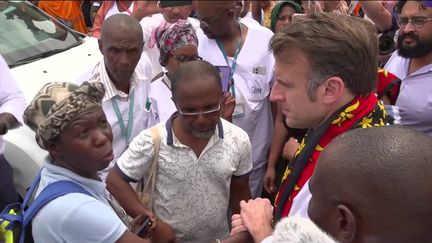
203 135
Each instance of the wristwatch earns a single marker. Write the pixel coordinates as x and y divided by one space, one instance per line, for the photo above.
5 126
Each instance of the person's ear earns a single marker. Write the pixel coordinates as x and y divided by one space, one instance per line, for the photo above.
333 90
346 225
53 149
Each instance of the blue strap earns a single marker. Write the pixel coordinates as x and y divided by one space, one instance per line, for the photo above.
32 189
49 193
126 132
234 63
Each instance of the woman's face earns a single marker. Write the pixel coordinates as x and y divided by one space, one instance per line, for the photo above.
284 17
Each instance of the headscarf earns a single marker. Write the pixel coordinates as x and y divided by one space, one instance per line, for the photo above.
171 37
278 7
57 104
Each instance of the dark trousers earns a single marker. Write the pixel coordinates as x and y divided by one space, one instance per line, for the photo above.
8 193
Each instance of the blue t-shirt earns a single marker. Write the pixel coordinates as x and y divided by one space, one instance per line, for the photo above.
76 217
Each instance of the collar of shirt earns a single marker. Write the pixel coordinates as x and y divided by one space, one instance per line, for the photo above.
60 173
173 141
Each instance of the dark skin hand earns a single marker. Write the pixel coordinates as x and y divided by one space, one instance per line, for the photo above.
10 120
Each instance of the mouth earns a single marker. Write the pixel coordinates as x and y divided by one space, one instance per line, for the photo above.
108 156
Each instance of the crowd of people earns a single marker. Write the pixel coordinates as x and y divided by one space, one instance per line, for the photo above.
309 139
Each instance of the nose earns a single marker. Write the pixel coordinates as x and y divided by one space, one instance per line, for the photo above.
276 93
123 59
101 137
409 27
175 11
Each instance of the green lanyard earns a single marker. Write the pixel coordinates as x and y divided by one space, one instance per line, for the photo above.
234 63
126 132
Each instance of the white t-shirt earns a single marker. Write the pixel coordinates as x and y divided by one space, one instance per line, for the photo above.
76 217
148 25
192 194
253 79
161 93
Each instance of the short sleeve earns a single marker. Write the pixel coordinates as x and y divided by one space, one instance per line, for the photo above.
134 162
77 218
244 165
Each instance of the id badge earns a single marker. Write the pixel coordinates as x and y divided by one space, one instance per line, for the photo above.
239 111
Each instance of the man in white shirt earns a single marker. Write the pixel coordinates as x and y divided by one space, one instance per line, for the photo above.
12 105
202 165
412 63
224 41
170 12
126 103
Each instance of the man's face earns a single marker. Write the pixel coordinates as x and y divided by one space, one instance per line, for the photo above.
214 21
122 51
320 209
290 91
173 14
86 143
199 97
415 41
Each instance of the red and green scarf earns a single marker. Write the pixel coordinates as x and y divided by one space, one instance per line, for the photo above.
362 112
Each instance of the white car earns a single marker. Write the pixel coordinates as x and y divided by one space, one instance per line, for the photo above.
38 49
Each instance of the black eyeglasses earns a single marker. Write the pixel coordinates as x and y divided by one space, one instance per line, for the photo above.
416 21
183 58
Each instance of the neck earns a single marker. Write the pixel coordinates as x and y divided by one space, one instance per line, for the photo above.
346 98
122 85
84 174
233 32
419 62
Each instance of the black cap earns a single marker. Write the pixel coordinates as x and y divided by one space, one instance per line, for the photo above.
166 4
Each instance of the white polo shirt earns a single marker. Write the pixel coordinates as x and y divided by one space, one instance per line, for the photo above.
192 194
253 79
76 217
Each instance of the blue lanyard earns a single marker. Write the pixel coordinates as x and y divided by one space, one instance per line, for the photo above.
234 63
126 132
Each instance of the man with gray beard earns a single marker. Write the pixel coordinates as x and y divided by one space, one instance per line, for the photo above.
203 162
412 63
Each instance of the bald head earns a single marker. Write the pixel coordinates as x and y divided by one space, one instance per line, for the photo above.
121 23
382 176
194 74
230 5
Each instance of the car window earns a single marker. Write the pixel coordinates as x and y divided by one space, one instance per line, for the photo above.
27 34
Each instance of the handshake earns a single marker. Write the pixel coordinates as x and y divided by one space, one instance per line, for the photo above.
256 217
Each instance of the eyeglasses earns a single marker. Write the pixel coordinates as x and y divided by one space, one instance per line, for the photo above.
210 21
183 58
417 21
193 113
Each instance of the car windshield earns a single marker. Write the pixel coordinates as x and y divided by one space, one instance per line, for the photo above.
27 34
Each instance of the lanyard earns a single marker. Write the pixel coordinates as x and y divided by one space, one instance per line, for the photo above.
234 62
126 132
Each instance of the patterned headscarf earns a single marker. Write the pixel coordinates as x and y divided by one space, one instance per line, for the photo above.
171 37
57 104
